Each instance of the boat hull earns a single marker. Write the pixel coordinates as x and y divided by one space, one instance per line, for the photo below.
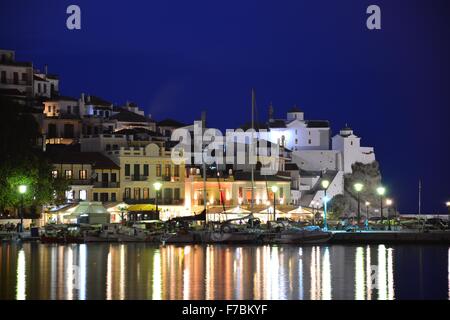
302 237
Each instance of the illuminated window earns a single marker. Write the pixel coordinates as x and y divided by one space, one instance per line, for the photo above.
158 170
145 193
55 174
127 194
176 171
68 174
137 193
83 174
167 170
83 195
70 195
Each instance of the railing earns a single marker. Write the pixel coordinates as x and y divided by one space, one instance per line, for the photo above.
106 184
139 178
16 82
81 182
152 201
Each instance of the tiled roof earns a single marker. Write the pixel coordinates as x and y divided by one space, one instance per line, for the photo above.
96 159
37 78
128 116
170 123
62 98
96 101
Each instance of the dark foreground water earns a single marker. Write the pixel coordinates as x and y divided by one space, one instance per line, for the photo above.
141 271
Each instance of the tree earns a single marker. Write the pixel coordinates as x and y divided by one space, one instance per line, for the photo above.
23 162
338 205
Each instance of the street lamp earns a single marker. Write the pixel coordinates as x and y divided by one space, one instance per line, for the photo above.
325 185
381 191
274 190
157 186
358 188
22 191
388 204
367 214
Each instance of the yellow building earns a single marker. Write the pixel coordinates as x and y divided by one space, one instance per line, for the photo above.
235 189
141 167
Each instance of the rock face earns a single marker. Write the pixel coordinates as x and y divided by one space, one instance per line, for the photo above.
347 204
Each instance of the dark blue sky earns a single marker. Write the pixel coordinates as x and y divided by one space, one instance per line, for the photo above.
177 58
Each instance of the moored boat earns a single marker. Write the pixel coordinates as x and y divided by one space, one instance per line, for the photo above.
294 235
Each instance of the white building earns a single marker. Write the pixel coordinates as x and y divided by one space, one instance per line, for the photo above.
15 76
349 146
295 133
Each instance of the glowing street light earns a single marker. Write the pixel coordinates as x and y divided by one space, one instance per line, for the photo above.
367 214
381 191
325 185
389 203
274 190
157 185
358 188
22 190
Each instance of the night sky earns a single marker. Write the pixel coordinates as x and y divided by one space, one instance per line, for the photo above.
177 58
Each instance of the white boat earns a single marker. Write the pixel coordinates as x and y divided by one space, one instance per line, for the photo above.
295 235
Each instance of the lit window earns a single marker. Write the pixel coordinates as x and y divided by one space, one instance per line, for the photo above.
83 174
69 195
68 174
55 174
83 195
158 170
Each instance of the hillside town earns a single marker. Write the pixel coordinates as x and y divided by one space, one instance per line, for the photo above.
116 159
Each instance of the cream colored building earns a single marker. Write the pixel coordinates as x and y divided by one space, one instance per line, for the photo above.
141 167
91 175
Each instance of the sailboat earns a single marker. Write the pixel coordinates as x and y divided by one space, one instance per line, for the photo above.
248 230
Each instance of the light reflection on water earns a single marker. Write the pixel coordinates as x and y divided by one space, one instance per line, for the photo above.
140 271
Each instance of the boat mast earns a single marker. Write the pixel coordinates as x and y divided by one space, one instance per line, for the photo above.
420 197
252 165
204 164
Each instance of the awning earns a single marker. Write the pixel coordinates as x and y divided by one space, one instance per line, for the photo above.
270 211
62 208
300 210
237 210
141 207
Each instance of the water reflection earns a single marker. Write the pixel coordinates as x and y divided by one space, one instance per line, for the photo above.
139 271
21 276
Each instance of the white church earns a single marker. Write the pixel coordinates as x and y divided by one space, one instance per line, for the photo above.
309 143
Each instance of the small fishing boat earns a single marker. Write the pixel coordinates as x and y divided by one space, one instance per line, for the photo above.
295 235
229 232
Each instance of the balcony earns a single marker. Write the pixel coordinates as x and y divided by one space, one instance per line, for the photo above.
81 182
106 184
139 178
167 202
16 82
